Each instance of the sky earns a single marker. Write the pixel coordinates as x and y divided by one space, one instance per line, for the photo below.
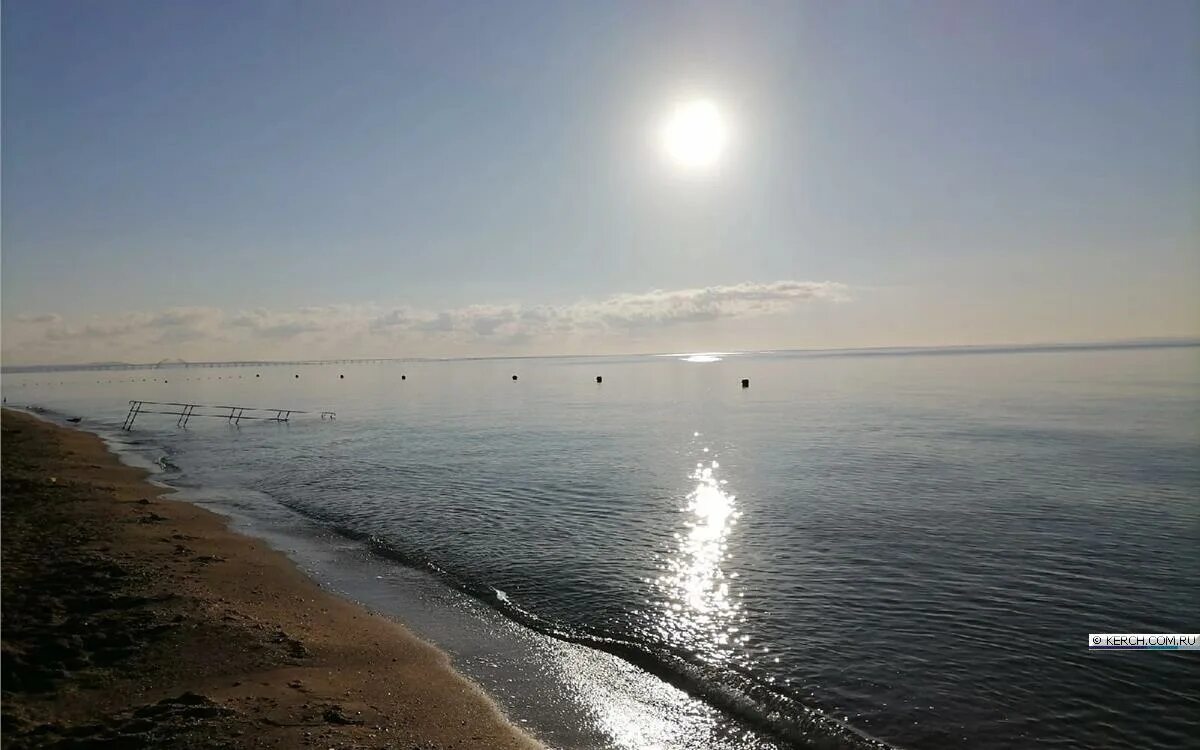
281 180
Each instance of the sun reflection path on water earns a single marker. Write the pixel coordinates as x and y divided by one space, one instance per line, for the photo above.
698 609
694 607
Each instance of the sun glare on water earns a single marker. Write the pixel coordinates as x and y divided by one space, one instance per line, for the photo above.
694 134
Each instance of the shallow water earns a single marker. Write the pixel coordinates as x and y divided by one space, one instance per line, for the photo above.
915 544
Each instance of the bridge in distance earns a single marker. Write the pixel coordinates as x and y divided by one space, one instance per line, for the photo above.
175 364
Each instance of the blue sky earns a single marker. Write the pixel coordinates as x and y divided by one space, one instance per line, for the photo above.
234 179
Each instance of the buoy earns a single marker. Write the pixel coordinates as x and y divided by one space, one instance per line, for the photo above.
599 379
297 377
257 375
404 377
514 377
341 377
745 382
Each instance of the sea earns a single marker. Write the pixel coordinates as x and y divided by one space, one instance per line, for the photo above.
896 548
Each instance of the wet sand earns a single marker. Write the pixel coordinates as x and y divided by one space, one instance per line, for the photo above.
133 620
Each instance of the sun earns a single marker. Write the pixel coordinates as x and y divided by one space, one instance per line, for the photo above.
694 134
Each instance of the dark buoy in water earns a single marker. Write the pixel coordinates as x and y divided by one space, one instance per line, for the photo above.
514 377
257 375
297 376
341 377
745 382
599 379
404 377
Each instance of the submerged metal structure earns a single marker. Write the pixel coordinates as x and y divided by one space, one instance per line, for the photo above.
231 414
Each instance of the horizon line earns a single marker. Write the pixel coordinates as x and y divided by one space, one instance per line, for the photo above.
1049 346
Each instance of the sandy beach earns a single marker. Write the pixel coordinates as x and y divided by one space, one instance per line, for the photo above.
134 620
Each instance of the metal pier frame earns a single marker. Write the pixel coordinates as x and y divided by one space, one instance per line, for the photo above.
231 414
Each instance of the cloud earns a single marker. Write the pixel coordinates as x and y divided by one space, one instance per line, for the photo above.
44 318
709 303
171 324
286 325
288 330
622 312
189 317
198 333
90 331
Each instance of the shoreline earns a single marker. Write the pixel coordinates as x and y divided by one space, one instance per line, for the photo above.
133 617
557 687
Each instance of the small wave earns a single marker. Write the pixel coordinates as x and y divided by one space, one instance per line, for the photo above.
740 695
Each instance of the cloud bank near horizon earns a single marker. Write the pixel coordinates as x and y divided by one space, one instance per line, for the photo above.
206 333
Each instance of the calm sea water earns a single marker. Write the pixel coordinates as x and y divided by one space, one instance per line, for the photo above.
914 544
